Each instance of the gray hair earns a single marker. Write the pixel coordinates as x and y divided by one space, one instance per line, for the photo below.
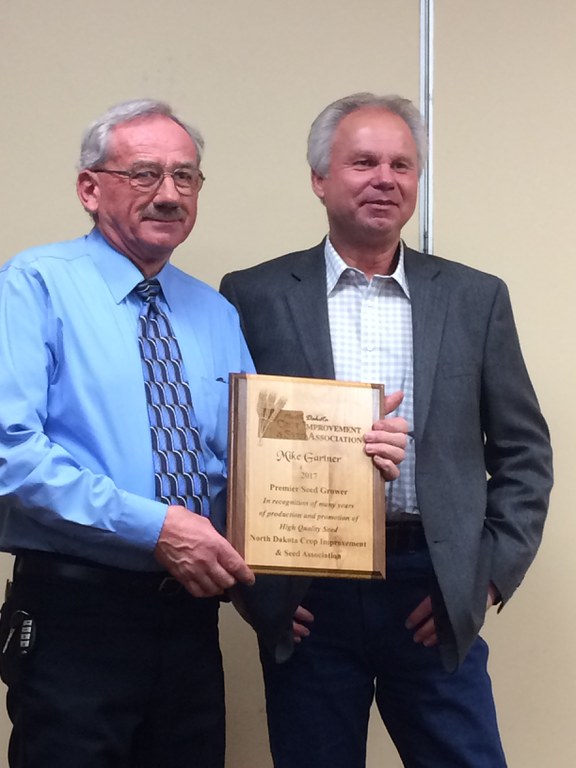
96 139
321 134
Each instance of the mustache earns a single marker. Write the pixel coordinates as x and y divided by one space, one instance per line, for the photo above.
163 213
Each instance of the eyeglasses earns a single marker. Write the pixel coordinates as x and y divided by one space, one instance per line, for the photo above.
149 177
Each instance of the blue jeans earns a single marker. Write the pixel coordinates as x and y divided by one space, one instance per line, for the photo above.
318 703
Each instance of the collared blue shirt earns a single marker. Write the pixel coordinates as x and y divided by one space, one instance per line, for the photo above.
75 446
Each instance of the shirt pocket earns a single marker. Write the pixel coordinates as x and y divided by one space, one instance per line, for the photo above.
211 409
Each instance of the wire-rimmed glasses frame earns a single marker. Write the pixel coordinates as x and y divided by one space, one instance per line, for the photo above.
149 176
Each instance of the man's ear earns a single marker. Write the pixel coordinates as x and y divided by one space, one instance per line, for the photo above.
88 191
317 185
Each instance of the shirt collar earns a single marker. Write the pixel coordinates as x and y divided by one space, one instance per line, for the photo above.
119 273
336 266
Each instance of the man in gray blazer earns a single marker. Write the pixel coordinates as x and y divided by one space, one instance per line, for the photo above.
465 516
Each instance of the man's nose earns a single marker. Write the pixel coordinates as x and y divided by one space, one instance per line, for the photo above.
167 191
383 175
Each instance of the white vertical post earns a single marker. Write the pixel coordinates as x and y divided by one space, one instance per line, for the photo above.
427 110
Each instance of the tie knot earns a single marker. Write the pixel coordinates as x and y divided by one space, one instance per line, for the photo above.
148 289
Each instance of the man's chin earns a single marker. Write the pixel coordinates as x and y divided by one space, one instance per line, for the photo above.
379 225
164 234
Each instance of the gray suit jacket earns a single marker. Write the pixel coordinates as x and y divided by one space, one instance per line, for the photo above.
483 456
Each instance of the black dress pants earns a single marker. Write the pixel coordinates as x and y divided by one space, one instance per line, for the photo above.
115 676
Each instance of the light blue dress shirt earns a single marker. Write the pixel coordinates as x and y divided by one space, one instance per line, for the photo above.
75 444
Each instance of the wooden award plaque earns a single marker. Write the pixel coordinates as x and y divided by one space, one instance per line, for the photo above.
303 497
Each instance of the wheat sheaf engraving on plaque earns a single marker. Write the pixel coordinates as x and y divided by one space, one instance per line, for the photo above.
303 497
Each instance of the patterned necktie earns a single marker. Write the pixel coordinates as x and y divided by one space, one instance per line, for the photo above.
179 467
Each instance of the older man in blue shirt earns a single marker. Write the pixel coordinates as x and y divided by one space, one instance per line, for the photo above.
109 634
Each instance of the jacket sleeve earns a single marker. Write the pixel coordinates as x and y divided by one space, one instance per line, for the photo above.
517 451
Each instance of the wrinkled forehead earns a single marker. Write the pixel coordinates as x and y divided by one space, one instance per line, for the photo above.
373 129
374 120
154 138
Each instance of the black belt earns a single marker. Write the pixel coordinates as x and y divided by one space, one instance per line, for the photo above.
46 565
404 537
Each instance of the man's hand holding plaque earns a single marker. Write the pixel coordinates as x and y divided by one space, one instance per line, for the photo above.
386 441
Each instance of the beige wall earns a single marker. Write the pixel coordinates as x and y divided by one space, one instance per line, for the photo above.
252 76
506 203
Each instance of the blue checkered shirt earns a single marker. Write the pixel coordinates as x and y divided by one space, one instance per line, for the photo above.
371 332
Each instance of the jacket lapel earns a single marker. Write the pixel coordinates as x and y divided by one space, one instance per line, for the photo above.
308 308
429 300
